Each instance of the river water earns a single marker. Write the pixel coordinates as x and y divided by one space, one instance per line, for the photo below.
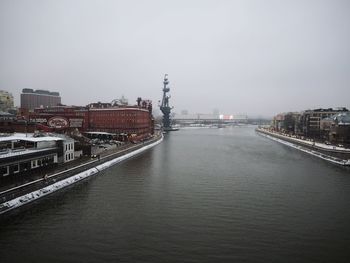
202 195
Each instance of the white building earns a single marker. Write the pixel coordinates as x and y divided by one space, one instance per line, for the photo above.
22 153
68 150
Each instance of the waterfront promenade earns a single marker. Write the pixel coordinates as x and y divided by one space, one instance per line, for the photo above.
331 153
44 179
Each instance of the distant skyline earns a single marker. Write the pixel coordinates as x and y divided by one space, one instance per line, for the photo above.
246 56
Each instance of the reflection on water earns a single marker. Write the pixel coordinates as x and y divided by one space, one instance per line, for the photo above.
206 195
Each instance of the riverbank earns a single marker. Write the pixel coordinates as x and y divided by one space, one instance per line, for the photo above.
333 154
18 196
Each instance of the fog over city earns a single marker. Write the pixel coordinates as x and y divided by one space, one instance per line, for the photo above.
253 57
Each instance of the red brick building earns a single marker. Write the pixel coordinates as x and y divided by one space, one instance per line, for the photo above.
62 117
134 121
121 120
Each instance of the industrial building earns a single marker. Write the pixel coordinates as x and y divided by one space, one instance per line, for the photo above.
120 120
136 121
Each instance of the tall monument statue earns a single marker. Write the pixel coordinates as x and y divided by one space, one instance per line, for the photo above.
164 107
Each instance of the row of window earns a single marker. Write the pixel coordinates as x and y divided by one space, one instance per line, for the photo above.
69 157
33 100
118 121
69 146
119 114
25 166
125 130
119 127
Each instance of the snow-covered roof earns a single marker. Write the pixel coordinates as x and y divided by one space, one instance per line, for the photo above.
342 118
29 137
4 113
102 133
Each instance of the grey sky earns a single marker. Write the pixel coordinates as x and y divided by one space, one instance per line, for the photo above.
254 57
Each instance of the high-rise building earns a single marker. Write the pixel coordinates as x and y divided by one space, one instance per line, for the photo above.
6 101
31 99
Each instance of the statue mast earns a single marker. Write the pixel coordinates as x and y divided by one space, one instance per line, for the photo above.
164 107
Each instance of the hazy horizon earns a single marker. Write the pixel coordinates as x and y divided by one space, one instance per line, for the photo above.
259 58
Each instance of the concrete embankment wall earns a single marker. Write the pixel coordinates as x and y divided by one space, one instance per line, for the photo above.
333 155
31 192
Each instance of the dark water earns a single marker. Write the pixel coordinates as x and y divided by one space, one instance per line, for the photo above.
206 195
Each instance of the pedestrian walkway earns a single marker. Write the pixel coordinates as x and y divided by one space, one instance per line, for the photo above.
47 177
48 171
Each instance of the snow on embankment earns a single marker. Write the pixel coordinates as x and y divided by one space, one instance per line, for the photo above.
35 195
309 151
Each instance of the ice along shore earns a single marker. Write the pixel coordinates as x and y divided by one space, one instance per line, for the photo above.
29 197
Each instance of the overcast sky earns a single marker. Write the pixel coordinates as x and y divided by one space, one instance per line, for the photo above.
253 57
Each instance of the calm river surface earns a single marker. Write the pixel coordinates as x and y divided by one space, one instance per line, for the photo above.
202 195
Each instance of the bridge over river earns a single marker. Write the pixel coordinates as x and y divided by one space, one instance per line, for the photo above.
209 119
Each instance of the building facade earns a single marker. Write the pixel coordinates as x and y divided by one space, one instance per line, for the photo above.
310 120
26 153
31 99
340 129
331 125
6 101
136 121
286 122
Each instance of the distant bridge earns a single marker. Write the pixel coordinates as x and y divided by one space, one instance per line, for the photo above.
209 119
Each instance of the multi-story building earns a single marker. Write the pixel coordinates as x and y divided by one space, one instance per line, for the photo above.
136 121
325 127
278 122
27 153
326 124
31 99
310 120
340 128
131 120
61 118
6 101
286 122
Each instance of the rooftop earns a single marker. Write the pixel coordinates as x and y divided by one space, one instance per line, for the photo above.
29 137
342 118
